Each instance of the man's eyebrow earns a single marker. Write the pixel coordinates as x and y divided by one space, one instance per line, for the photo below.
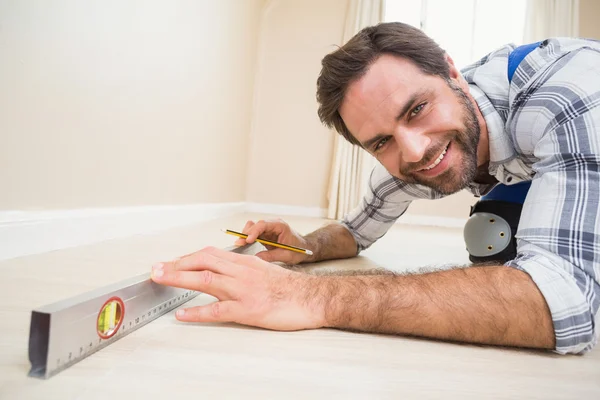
405 108
367 145
411 101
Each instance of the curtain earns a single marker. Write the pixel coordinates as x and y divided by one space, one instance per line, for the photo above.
551 18
351 165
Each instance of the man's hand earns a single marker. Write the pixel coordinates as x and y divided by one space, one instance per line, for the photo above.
250 291
329 242
276 231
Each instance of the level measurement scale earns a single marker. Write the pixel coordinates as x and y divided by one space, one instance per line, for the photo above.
64 333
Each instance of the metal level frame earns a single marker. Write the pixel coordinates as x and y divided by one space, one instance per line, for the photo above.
64 333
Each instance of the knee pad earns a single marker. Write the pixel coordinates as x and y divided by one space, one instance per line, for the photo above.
490 231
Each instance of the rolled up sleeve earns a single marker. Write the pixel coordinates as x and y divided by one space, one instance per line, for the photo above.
386 200
558 242
573 310
558 246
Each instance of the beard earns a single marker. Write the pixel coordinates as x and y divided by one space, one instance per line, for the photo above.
455 177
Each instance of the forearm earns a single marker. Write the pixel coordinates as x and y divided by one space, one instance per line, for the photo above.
492 305
330 242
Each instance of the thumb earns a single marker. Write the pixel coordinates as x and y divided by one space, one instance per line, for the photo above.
273 255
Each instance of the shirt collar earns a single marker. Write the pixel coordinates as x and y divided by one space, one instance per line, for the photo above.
501 147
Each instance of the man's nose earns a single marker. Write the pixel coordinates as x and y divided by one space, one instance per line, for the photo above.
413 145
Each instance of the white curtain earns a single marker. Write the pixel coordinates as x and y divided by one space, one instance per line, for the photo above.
351 165
551 18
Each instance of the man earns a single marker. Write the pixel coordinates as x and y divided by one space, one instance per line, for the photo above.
435 131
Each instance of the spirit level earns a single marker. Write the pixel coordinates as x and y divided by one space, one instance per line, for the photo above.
64 333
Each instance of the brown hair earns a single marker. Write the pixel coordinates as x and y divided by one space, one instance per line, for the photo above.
351 61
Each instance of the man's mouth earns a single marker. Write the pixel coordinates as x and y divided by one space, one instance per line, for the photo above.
438 160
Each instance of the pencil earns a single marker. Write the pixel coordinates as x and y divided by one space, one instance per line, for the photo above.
270 243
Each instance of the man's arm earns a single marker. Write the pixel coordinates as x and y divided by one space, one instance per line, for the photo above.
491 305
488 304
331 242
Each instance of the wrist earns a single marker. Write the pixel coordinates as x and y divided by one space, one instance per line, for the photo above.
307 244
314 300
313 246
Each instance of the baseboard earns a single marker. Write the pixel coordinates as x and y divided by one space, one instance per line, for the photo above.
283 210
429 220
316 212
30 232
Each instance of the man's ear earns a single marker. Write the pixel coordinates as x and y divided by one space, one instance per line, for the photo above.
455 74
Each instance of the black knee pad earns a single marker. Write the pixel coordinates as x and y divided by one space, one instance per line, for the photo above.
490 231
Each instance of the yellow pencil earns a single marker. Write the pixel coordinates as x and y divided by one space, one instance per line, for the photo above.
269 243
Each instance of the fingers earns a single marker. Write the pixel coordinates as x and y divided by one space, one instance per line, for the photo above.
267 256
247 227
208 259
220 311
281 255
237 260
206 281
240 242
275 255
243 242
271 229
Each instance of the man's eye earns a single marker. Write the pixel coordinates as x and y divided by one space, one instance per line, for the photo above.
417 109
380 144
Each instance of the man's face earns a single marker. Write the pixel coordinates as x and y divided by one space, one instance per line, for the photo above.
422 128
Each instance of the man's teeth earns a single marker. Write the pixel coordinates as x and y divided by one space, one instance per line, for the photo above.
437 161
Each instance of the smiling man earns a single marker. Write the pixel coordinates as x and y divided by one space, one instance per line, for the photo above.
436 130
392 115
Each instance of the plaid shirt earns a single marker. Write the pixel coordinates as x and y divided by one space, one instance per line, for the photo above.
544 127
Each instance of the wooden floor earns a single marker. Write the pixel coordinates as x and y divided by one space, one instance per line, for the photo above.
168 358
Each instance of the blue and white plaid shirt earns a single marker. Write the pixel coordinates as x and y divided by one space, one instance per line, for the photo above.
544 127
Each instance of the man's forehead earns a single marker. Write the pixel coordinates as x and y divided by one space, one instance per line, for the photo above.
388 77
383 76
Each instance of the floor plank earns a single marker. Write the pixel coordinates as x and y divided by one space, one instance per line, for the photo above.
230 361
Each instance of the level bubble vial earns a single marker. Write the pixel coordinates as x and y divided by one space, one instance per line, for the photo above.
110 317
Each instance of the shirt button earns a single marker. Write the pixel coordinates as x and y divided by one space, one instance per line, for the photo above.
509 179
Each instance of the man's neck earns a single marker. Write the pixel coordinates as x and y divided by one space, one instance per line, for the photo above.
483 148
483 175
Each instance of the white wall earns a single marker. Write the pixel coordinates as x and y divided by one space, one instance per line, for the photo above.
118 103
126 103
589 16
290 153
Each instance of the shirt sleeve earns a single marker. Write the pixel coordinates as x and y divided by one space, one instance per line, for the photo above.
558 238
387 198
